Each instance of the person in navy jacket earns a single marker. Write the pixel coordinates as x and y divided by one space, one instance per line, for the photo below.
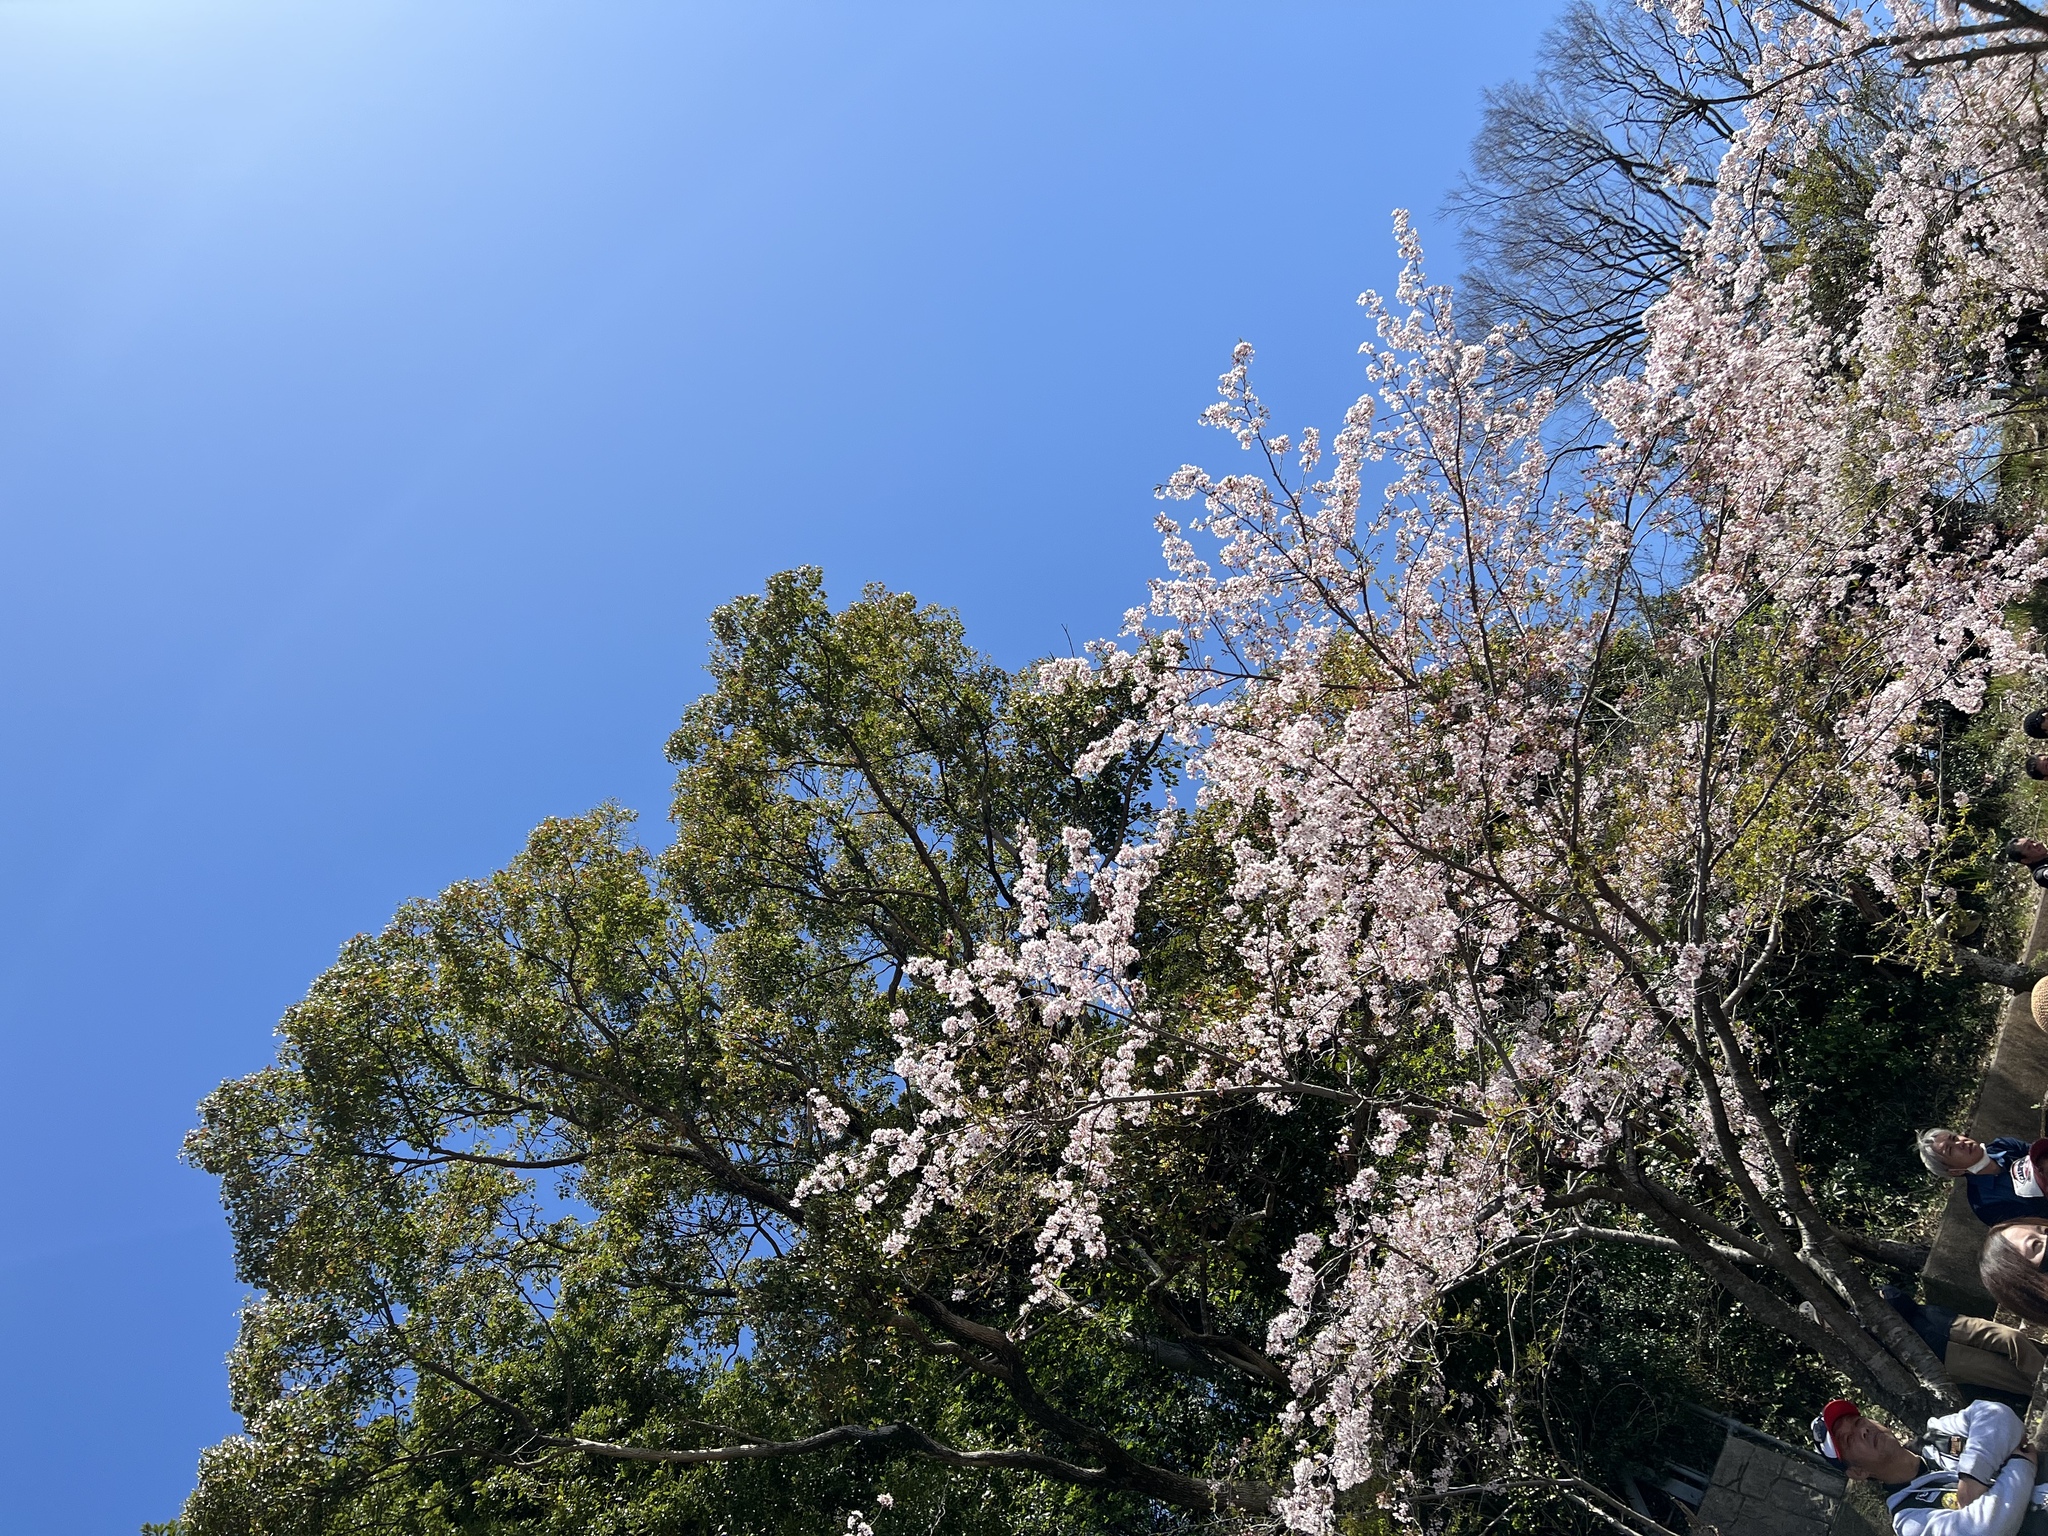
1999 1177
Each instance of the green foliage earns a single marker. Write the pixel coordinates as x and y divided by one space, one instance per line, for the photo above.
524 1170
1864 1056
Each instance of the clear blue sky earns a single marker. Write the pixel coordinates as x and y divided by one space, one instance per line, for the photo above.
387 394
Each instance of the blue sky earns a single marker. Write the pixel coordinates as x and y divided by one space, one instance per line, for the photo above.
388 393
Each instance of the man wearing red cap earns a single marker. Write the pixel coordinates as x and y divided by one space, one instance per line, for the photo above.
1973 1474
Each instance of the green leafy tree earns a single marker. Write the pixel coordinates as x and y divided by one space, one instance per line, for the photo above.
518 1196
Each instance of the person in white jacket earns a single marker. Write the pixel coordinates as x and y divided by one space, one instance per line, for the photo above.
1971 1475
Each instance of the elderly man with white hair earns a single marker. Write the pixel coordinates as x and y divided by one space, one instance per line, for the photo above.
2000 1177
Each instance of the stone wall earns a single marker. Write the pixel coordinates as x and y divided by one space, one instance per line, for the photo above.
1757 1491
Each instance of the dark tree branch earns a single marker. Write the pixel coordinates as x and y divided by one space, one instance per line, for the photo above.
2002 973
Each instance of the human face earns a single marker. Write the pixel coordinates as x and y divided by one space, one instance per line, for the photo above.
1959 1153
1866 1447
2030 1243
2030 849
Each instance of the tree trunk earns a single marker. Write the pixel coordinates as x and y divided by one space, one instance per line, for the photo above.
2003 973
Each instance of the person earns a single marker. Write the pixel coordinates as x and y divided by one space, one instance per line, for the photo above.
1998 1178
2010 1266
2037 765
2036 724
1973 1474
1973 1351
2028 851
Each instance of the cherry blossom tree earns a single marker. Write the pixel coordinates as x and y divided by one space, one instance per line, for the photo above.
1523 767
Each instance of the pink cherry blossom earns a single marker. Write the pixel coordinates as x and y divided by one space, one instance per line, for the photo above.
1530 759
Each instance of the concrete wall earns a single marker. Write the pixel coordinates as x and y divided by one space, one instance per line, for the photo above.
1757 1491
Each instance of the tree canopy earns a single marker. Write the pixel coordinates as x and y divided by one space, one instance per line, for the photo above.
521 1194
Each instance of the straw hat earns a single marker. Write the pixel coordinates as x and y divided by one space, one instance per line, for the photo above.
2038 1001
